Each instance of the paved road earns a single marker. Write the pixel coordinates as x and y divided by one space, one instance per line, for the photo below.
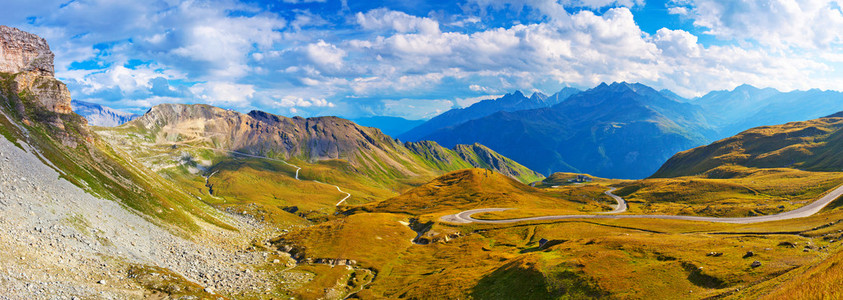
807 210
621 207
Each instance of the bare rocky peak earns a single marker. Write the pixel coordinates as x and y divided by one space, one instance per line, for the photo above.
261 133
21 51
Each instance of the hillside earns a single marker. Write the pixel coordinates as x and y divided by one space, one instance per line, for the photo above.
812 145
98 115
509 102
616 131
471 188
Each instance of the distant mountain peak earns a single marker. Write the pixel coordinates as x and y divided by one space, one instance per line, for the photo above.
538 96
745 88
100 115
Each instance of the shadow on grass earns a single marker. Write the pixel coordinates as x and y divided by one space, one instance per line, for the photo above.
523 280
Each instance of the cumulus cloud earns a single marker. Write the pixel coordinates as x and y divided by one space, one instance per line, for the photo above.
385 19
414 109
325 55
587 50
795 23
223 93
293 101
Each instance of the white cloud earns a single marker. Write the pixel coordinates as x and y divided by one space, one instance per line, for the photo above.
477 88
792 23
677 43
385 19
325 55
293 101
220 43
414 109
224 93
306 18
677 10
463 21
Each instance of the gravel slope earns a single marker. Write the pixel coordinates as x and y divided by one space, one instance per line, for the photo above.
59 242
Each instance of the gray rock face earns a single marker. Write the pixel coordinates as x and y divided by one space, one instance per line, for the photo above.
24 52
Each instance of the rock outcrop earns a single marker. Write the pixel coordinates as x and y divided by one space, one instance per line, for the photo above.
24 52
47 91
28 61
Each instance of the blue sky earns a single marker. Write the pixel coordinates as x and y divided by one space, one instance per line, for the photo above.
415 59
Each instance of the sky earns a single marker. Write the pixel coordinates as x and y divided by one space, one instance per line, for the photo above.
418 58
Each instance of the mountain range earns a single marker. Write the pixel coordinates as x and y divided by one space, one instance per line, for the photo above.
622 130
619 131
746 107
99 115
509 102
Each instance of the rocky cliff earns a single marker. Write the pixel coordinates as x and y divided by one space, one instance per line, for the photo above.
26 65
24 52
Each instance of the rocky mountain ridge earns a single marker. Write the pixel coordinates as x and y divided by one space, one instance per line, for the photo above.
510 102
313 140
620 130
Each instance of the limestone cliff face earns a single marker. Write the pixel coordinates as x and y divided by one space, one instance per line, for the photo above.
29 62
47 91
29 91
24 52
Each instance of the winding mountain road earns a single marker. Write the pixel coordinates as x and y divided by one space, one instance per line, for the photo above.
621 207
347 195
805 211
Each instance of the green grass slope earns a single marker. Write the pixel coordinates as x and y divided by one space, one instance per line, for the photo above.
813 145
